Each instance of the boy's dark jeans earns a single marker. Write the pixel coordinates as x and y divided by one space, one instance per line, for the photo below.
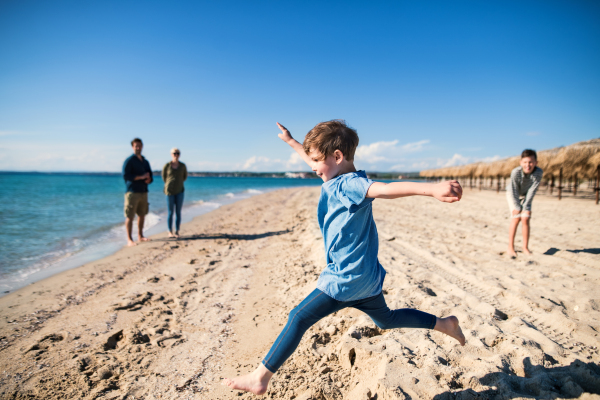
318 305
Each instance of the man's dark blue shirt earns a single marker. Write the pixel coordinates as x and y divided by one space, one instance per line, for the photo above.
133 167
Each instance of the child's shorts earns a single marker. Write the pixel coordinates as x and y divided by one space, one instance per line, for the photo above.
512 207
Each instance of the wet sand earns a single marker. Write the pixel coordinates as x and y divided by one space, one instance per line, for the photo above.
169 319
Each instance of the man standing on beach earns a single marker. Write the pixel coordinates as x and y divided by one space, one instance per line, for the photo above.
137 174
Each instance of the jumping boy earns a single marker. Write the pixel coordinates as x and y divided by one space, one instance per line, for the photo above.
524 182
353 276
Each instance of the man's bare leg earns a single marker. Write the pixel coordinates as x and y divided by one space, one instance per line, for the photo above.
525 230
256 381
128 229
141 237
450 327
512 230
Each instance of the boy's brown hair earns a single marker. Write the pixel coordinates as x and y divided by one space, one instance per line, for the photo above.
529 153
327 137
137 140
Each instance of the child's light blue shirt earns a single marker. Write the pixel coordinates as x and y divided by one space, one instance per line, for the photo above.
346 220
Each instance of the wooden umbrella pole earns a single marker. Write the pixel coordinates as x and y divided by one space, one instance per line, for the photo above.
480 182
552 185
575 183
498 184
560 184
597 188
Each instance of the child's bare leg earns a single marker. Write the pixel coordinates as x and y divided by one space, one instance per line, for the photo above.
512 230
314 307
450 327
256 382
525 229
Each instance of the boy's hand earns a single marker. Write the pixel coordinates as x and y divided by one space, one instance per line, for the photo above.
448 191
287 137
285 134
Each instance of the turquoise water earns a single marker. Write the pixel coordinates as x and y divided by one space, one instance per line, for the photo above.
53 222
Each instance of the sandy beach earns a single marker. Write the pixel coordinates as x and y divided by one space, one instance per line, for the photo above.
169 319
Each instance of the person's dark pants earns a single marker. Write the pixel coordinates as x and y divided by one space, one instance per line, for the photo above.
174 203
318 305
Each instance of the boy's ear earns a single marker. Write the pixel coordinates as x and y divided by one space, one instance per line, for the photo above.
339 156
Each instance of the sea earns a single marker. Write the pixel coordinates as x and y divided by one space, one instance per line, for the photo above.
52 222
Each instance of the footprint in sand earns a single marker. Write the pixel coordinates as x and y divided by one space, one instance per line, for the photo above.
134 303
44 344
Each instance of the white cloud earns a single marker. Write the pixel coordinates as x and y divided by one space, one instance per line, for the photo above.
295 162
398 167
374 152
258 163
416 146
490 159
266 164
456 159
419 165
388 152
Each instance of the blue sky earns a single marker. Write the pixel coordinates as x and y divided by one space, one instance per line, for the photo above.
425 83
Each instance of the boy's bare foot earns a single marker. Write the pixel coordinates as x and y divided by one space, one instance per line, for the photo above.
177 234
256 382
172 235
512 253
143 239
131 243
526 251
450 327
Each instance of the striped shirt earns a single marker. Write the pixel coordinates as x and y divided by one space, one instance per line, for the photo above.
524 186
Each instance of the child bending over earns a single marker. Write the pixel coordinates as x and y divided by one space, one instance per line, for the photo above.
353 276
524 182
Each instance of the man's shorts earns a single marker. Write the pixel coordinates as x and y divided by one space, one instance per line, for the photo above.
136 203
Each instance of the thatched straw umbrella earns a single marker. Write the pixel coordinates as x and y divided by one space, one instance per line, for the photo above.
581 158
577 161
589 171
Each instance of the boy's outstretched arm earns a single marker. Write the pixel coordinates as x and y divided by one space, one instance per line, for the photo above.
447 191
294 144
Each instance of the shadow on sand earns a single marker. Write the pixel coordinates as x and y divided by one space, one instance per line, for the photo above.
539 382
224 236
553 250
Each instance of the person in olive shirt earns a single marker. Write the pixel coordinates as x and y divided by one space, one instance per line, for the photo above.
174 173
137 174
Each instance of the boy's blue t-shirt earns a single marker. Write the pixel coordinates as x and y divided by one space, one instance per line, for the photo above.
345 216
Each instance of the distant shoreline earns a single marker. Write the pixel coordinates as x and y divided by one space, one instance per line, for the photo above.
232 174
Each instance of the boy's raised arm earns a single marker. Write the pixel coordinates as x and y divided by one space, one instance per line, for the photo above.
447 191
294 144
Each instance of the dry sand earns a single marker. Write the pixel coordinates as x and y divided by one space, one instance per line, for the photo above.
168 319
